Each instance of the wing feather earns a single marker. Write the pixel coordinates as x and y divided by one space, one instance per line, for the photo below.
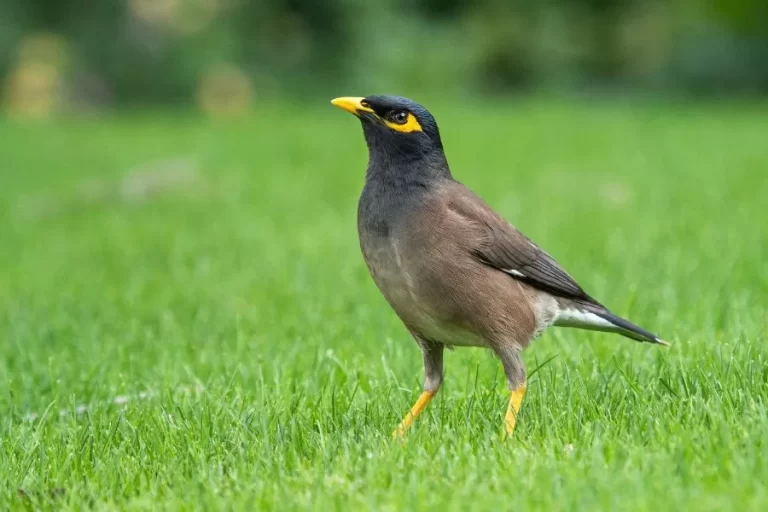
502 246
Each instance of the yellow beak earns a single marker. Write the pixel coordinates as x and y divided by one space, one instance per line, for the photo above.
351 104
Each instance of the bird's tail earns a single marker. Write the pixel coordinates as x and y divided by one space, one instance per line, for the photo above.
628 329
595 317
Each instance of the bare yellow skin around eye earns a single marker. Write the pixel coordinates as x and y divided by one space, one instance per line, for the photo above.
355 105
411 125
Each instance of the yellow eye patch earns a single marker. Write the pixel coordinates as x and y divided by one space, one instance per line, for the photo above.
410 125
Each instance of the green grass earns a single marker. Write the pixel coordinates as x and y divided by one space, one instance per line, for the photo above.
274 372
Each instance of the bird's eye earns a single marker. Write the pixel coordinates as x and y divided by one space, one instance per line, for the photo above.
399 117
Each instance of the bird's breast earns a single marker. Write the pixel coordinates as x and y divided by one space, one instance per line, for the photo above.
388 266
396 264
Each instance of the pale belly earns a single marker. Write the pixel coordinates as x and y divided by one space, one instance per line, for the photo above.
448 334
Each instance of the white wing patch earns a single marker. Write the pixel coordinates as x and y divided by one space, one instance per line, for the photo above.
578 318
513 272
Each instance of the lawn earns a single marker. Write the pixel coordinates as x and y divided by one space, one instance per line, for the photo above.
186 321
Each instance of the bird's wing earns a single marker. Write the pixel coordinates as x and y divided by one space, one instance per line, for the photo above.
502 246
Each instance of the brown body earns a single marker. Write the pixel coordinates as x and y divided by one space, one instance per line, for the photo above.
425 268
427 274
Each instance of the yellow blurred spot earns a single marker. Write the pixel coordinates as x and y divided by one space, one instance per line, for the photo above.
33 91
33 88
224 91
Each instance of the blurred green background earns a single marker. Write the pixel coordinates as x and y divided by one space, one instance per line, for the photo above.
226 55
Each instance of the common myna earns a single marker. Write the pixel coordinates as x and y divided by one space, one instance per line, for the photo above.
454 271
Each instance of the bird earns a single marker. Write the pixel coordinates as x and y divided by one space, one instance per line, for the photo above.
455 271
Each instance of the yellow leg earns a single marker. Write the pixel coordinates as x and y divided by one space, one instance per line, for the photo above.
515 401
419 406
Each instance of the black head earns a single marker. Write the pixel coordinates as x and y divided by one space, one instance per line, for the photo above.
395 127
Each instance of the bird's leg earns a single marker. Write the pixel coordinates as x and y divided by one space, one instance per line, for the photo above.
433 377
515 372
515 401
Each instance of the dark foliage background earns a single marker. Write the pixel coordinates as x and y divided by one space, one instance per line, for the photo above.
221 53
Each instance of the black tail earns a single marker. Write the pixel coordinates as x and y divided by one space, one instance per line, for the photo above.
628 329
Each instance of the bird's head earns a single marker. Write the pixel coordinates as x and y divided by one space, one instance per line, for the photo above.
394 127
